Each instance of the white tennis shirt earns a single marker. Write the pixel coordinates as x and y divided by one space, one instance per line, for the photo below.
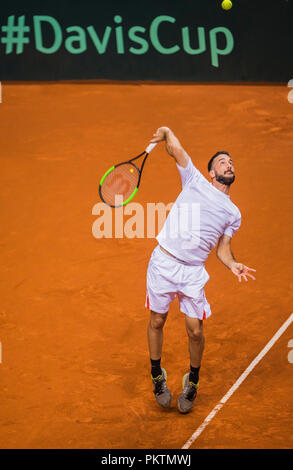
200 215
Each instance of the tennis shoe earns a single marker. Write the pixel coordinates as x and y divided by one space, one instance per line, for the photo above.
161 391
188 395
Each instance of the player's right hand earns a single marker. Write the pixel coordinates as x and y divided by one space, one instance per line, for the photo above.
160 134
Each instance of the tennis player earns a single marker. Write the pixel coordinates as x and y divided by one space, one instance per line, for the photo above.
202 215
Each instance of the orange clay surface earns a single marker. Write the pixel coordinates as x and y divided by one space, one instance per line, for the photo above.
75 367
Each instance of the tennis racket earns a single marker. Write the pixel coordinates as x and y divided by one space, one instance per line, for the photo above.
120 183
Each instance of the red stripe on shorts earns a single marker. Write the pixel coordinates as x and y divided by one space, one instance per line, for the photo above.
204 315
148 302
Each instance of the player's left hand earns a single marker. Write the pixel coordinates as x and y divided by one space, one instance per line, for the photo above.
242 271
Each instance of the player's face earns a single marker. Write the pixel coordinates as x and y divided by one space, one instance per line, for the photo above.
223 169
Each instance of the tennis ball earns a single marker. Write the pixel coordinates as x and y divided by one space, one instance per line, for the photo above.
226 4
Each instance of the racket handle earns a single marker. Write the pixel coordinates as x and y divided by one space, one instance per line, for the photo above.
151 147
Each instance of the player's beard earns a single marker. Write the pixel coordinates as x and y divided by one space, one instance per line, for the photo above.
227 180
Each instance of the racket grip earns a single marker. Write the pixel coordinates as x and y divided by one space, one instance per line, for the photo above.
151 147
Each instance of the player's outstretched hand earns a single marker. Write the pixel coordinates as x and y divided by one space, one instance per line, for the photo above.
160 134
242 271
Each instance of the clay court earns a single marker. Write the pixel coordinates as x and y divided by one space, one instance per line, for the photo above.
75 366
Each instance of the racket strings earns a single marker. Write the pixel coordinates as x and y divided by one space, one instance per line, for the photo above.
119 184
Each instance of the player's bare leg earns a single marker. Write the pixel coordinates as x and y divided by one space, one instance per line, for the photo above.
155 334
194 328
155 342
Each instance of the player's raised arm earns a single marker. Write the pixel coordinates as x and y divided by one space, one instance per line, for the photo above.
224 253
173 146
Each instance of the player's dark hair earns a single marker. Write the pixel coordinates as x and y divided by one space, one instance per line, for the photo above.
210 164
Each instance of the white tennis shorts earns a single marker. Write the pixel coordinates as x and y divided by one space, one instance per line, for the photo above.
168 277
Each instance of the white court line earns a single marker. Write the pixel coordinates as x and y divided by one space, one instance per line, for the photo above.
237 383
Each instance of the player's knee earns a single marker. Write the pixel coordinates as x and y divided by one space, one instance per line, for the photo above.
158 321
195 334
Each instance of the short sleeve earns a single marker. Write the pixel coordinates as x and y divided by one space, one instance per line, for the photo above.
189 173
232 228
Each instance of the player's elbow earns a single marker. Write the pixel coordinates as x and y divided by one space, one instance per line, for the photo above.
218 250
